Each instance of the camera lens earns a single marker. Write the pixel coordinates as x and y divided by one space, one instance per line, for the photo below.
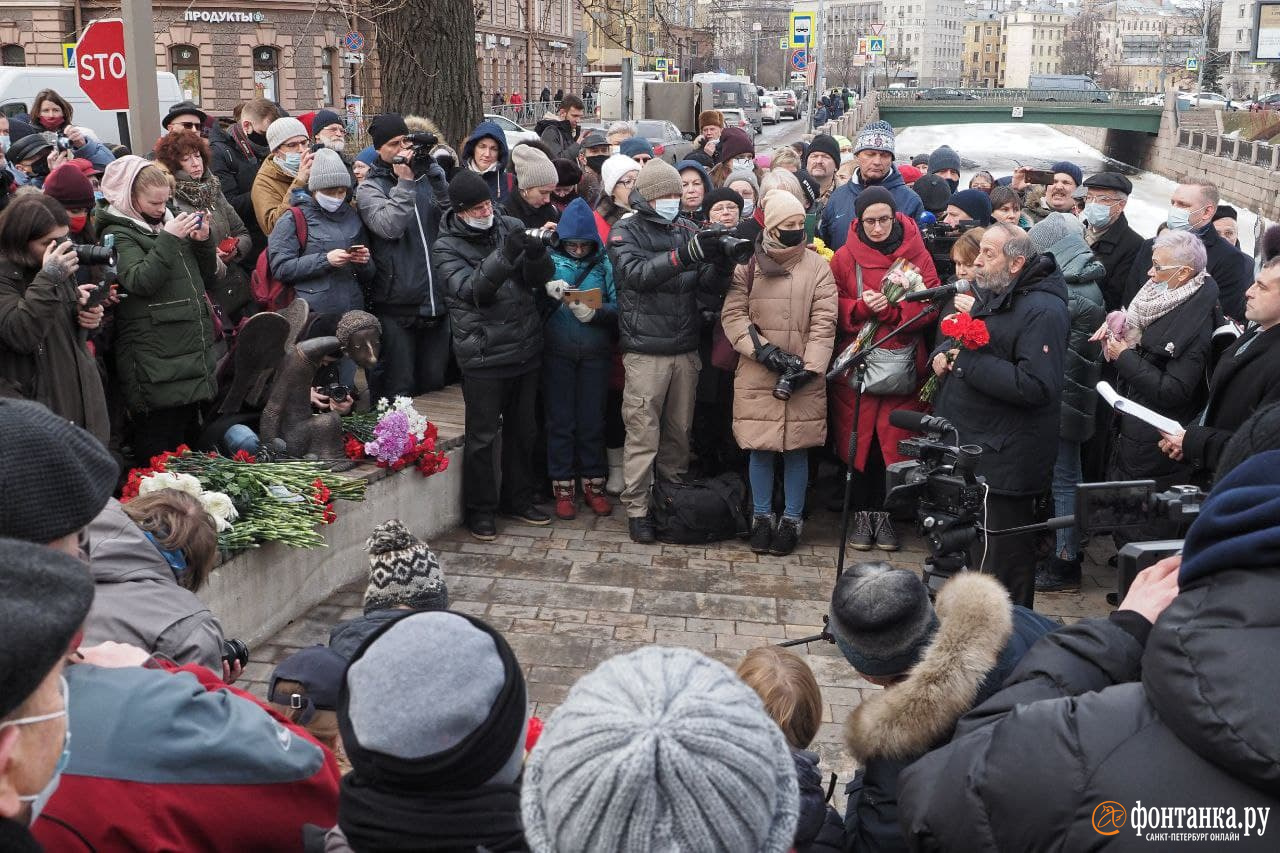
736 249
96 255
783 388
235 650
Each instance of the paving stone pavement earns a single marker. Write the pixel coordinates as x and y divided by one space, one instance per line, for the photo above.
569 595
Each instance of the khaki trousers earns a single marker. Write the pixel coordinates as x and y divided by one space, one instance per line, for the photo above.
657 408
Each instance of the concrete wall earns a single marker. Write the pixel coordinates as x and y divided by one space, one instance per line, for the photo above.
262 590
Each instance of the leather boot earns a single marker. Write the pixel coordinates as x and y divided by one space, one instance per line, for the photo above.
565 501
594 497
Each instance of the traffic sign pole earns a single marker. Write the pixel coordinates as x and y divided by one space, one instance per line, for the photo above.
140 66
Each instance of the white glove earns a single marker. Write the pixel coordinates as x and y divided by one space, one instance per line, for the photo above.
582 311
556 288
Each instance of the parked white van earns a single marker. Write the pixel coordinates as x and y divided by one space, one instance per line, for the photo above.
18 88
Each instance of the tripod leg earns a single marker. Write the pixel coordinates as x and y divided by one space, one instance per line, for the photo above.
848 471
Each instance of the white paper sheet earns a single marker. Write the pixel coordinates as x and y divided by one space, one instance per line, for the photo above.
1126 406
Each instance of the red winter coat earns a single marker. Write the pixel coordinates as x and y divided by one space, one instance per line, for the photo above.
874 415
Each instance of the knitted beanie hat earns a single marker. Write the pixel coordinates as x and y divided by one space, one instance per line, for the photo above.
810 185
402 570
636 145
881 618
873 195
1068 168
660 749
747 177
387 127
466 190
943 157
824 143
617 167
975 203
875 136
69 186
533 168
282 130
734 142
657 178
1051 229
323 119
780 205
720 194
56 477
934 193
328 171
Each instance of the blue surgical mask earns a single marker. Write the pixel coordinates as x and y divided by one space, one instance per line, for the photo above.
39 800
667 208
292 161
4 141
99 197
1097 215
1178 219
748 207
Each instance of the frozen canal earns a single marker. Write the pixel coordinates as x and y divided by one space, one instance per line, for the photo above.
1001 148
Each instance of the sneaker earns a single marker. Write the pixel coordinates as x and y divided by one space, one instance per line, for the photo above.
593 495
482 527
529 515
787 536
641 530
563 492
863 536
1058 575
761 533
886 536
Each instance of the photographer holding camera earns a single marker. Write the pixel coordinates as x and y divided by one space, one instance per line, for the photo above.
660 262
401 202
536 181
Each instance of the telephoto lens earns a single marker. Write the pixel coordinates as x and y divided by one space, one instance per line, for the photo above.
90 255
234 650
546 236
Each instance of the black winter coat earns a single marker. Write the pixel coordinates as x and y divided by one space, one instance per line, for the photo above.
1240 386
1166 372
819 829
1090 716
403 219
658 295
1231 269
236 173
1006 396
495 306
1116 249
533 217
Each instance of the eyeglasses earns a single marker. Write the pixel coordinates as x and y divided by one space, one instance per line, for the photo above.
878 222
296 145
1100 199
627 182
189 125
1161 269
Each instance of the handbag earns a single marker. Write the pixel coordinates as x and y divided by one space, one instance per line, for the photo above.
889 372
723 355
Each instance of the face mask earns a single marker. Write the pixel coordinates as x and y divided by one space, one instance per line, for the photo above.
596 162
791 238
483 224
50 122
846 157
743 162
1178 219
99 197
330 203
4 141
290 162
667 208
78 223
40 800
748 207
1097 214
955 185
257 138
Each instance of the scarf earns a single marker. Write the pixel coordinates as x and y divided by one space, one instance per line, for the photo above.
784 256
890 244
1153 301
200 194
488 816
247 147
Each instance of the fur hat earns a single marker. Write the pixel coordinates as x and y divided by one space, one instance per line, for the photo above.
778 206
710 118
615 169
402 571
328 171
875 136
658 178
533 168
282 130
881 618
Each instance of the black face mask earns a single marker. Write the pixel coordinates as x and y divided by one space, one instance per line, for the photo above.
258 138
152 220
596 162
790 238
955 185
40 168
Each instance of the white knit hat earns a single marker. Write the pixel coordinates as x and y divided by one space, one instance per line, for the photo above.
282 130
615 169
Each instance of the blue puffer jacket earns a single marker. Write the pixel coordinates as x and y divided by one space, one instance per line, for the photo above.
839 212
564 334
500 180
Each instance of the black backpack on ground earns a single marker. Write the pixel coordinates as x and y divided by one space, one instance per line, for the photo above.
694 511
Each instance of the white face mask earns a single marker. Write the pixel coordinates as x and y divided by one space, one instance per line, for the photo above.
846 157
41 799
667 208
480 224
330 203
743 162
748 207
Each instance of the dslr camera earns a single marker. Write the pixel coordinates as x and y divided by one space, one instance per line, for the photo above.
62 143
939 238
92 255
546 236
234 651
336 392
734 247
420 158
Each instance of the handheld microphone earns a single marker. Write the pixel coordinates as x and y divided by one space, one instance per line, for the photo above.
937 294
919 422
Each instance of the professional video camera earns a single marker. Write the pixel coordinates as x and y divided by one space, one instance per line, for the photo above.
939 238
420 160
734 247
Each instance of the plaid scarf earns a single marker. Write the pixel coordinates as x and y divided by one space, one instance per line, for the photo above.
1153 301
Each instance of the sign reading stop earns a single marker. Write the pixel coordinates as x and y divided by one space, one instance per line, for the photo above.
100 64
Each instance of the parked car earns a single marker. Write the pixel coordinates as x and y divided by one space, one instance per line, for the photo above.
1153 101
514 133
668 142
737 118
1212 100
768 110
787 102
944 94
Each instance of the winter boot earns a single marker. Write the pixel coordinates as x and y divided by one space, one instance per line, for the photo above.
787 536
594 497
616 483
1059 575
863 536
761 533
886 536
566 504
641 530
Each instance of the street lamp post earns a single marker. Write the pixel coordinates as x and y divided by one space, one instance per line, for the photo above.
755 50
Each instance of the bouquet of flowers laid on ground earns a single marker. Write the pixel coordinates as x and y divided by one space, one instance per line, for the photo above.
961 330
820 246
901 278
396 436
251 502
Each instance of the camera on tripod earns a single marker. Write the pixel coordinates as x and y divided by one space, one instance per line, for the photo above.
420 159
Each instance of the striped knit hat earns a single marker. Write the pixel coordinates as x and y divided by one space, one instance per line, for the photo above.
402 571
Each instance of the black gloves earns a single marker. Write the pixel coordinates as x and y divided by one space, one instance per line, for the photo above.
779 360
799 379
512 246
703 248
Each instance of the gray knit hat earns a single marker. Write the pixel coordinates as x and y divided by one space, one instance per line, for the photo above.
881 618
54 476
875 136
657 178
402 571
533 168
747 177
660 749
328 171
282 130
943 157
1051 229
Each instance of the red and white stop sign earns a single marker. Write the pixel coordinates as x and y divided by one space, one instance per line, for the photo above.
100 64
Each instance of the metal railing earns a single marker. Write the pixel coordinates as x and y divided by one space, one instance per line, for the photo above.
1013 97
1254 153
529 114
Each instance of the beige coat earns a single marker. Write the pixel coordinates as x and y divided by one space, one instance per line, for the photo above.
271 194
793 305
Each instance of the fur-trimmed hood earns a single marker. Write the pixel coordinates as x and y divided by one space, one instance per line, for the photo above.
904 721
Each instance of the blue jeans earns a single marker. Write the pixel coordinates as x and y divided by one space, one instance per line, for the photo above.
795 480
574 391
1067 474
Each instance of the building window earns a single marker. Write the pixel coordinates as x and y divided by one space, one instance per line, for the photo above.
266 74
327 57
13 56
184 60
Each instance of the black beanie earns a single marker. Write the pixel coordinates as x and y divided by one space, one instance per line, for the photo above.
54 476
823 143
467 189
44 599
934 193
387 127
1260 433
873 195
722 194
809 184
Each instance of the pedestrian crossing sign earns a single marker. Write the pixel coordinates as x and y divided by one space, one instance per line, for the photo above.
875 45
660 64
1193 63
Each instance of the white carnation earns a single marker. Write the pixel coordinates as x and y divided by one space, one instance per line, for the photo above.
220 507
169 480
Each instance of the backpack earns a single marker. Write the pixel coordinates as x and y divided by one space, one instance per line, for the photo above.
690 512
270 293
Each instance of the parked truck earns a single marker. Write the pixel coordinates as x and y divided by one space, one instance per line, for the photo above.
678 103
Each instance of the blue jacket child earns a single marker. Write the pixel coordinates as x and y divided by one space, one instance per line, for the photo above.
565 334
